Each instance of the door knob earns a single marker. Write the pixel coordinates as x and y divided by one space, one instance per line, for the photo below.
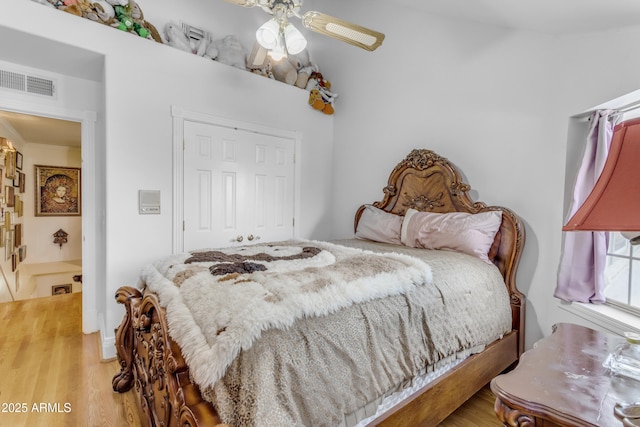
239 239
252 237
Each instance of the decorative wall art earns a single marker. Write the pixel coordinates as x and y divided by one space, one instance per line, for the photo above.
10 164
9 197
22 182
19 206
57 191
18 160
61 289
17 240
8 245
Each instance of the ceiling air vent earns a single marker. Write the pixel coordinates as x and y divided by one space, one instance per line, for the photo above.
26 83
40 86
11 80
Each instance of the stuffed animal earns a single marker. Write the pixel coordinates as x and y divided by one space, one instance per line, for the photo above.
231 52
304 67
294 70
143 27
45 3
177 38
123 21
81 8
206 48
284 71
104 10
320 96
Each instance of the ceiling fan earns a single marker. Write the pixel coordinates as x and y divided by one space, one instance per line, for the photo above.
279 36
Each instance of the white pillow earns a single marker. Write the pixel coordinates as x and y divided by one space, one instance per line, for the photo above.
379 226
472 234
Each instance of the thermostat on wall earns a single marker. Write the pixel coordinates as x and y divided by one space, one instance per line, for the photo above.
149 201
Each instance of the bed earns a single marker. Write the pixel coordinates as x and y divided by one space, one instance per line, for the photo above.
412 382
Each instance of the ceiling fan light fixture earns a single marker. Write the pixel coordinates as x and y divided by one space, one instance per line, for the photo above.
294 39
268 34
279 51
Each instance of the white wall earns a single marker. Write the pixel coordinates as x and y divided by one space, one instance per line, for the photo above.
475 94
142 81
494 101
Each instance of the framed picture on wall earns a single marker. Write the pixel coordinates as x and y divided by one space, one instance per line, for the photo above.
18 208
61 289
10 165
9 198
22 181
8 245
17 238
57 191
18 160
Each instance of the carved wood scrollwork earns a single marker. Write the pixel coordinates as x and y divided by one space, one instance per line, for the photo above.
422 159
123 381
390 190
423 203
460 187
152 363
513 417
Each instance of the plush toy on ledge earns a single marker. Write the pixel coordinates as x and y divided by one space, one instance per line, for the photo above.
320 96
231 52
176 37
125 15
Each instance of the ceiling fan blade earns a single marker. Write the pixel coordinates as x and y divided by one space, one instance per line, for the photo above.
244 3
342 30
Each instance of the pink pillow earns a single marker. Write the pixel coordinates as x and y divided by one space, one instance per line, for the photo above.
472 234
379 226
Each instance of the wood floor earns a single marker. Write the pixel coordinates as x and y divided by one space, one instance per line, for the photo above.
51 374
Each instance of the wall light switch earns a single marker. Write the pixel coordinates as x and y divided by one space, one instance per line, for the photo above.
149 201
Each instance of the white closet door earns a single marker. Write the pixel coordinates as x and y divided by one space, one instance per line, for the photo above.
238 186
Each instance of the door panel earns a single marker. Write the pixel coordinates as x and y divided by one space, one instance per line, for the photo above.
238 185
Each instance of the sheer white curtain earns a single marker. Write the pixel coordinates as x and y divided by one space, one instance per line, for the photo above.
581 274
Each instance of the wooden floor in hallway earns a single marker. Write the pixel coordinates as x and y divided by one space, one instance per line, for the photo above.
52 375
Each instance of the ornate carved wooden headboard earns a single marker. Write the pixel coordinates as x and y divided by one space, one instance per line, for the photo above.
426 181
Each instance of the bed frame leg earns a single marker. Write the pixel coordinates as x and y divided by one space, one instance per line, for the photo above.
130 297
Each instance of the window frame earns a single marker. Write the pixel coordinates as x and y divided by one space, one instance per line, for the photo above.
631 255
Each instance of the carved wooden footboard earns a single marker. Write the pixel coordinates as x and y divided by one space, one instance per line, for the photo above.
152 362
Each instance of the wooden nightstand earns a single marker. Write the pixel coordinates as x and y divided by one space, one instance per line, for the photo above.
561 382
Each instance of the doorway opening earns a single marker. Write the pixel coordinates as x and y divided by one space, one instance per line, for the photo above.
46 149
51 137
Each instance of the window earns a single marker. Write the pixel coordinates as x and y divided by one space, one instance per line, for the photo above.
622 273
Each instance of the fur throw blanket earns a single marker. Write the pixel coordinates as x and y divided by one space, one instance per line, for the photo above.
218 302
